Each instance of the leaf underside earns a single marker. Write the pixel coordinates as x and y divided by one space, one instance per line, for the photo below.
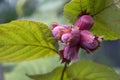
25 40
106 15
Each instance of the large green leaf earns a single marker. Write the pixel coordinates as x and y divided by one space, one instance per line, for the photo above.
105 13
88 70
54 75
25 40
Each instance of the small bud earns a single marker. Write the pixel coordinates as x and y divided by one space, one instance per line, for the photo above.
69 53
76 37
59 30
72 38
88 41
85 22
67 37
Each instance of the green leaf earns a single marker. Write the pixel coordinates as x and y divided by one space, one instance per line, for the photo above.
54 75
25 40
88 70
105 13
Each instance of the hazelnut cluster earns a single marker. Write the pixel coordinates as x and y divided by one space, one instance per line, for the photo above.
76 37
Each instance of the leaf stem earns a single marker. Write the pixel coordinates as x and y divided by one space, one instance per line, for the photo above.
63 71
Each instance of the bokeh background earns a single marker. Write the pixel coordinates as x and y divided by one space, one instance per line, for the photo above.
48 11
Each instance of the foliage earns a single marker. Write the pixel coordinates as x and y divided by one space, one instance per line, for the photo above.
25 40
54 75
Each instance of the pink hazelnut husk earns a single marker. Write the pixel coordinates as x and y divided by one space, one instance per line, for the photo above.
89 42
85 22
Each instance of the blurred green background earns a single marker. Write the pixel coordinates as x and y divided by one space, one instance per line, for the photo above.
49 11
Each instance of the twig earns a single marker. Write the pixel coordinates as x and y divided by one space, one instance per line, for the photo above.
63 71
